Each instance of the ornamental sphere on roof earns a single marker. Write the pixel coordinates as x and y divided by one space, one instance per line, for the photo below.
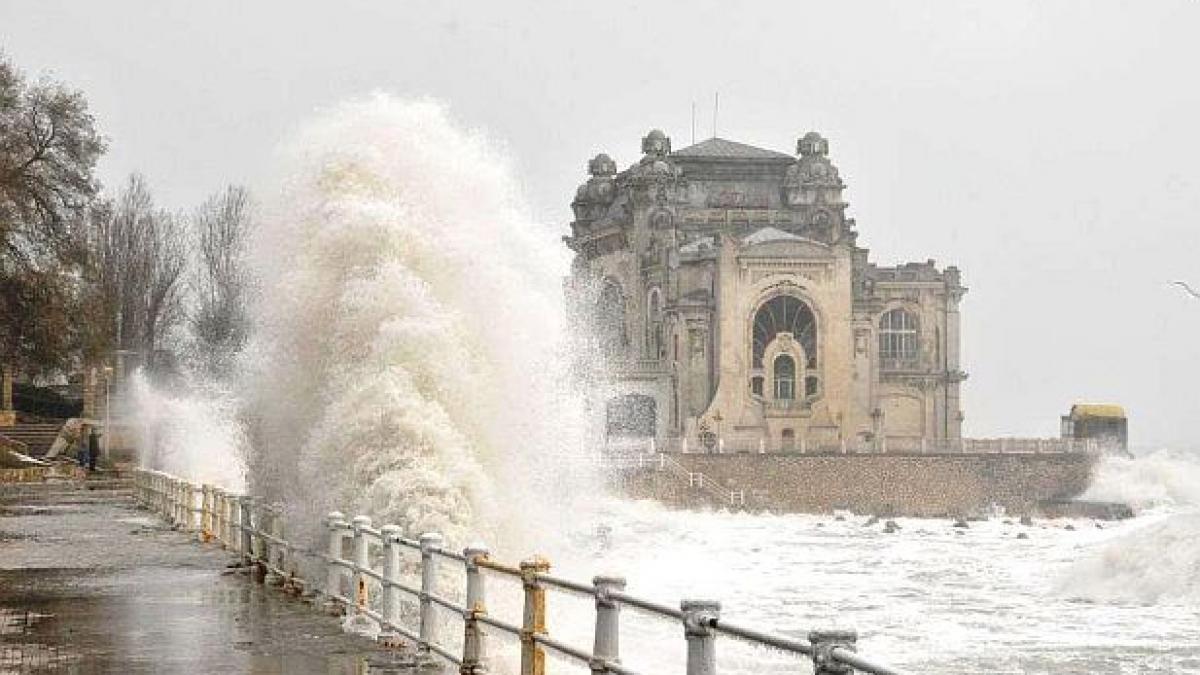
656 144
812 144
602 166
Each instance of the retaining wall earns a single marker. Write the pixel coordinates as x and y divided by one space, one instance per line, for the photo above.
949 485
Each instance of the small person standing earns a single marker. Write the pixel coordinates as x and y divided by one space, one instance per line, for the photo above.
81 452
93 449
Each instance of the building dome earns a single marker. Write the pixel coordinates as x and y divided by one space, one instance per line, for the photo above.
656 143
602 166
811 144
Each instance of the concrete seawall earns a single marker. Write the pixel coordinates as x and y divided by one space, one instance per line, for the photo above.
928 485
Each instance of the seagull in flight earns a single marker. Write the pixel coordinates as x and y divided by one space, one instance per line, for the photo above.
1190 291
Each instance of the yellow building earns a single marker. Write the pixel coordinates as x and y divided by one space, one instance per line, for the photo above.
732 308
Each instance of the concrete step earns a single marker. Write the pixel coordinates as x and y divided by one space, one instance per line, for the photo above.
36 437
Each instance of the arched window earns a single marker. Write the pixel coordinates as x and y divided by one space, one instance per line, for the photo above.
610 319
654 324
898 336
785 314
785 377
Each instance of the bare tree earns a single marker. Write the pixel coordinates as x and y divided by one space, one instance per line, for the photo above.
139 258
222 226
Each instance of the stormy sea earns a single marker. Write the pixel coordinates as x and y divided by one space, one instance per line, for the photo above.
405 363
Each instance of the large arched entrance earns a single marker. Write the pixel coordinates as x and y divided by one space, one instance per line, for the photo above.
785 314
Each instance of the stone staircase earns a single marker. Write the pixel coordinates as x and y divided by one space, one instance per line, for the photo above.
35 438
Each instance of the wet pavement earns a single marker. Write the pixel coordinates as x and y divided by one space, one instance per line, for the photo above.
91 584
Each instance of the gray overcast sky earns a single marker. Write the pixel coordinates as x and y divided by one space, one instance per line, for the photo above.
1047 148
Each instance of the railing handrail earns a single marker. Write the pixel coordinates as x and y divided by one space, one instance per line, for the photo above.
256 531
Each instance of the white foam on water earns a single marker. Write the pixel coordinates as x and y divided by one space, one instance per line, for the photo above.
1158 561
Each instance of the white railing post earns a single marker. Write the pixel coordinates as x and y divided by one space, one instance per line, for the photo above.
219 512
181 504
205 512
222 505
474 661
362 560
246 519
698 619
428 632
335 521
390 534
261 517
606 649
226 519
277 553
533 624
193 518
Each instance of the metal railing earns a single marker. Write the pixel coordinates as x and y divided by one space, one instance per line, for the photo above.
255 531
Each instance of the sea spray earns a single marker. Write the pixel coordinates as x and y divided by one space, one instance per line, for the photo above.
407 359
1158 562
190 430
1162 478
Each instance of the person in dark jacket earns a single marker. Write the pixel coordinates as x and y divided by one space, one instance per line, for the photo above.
93 450
81 452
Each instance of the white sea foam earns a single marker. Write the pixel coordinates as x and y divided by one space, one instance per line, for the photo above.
1158 560
191 431
1163 478
407 359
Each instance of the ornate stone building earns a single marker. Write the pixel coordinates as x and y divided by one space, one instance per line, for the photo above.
733 309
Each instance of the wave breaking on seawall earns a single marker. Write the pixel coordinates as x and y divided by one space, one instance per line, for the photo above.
1157 562
408 355
408 359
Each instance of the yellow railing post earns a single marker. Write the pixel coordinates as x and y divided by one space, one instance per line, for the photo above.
533 657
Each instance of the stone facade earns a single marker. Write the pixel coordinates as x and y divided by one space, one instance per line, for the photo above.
732 308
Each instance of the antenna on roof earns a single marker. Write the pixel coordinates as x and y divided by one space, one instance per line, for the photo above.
716 106
693 122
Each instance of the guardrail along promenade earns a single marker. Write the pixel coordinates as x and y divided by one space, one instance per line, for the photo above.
255 531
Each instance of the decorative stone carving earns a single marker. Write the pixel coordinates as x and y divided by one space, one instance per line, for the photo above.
593 197
812 170
656 144
656 162
602 166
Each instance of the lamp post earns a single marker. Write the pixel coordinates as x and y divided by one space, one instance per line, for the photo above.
108 371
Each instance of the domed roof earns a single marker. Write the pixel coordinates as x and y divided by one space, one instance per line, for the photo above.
811 144
602 165
656 143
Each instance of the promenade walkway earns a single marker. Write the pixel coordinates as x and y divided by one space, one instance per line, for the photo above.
90 584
